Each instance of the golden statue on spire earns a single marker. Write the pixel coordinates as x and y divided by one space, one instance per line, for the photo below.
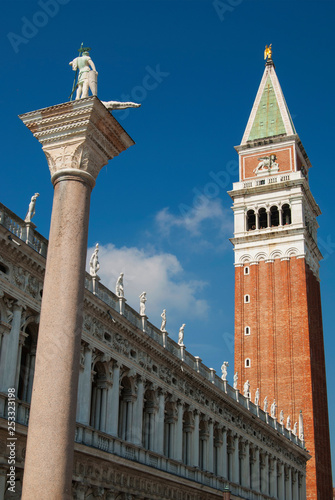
268 51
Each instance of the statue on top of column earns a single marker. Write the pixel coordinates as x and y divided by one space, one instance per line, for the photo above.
235 380
246 389
181 334
257 397
86 78
143 299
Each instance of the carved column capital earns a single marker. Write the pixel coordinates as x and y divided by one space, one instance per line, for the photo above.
78 137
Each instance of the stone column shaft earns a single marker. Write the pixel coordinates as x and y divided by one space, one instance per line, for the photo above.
78 139
195 454
58 349
246 467
236 462
112 423
138 414
224 472
159 425
179 434
210 453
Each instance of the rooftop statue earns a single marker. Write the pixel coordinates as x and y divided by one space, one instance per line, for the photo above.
143 299
119 290
31 208
87 79
94 261
181 334
224 370
163 325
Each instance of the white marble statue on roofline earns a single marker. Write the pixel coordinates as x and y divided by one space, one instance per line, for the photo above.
31 208
273 409
246 389
163 325
281 417
266 404
86 78
257 397
181 334
94 261
235 380
224 370
143 299
119 290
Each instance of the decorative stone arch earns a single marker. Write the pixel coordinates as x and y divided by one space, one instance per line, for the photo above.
291 252
276 254
261 256
245 259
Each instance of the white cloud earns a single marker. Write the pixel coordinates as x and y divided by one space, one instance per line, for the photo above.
160 275
193 219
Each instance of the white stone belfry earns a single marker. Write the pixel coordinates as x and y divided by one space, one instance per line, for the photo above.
78 139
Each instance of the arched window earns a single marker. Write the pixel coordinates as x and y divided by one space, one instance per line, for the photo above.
27 364
247 330
246 299
99 397
126 409
274 216
247 363
286 214
251 220
246 270
263 218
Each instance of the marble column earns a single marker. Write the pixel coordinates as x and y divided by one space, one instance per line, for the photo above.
113 399
178 447
78 139
159 424
245 465
9 351
288 484
223 451
256 472
210 450
273 478
295 485
195 453
138 413
236 461
281 481
85 388
265 474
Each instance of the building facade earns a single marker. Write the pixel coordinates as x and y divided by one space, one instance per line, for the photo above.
278 322
153 422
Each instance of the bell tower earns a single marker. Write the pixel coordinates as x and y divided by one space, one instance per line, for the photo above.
278 321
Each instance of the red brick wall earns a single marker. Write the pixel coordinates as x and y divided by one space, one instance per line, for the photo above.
286 350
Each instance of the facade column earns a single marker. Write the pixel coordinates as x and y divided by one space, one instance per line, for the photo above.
178 447
236 461
85 388
159 424
113 397
295 485
9 351
103 390
273 478
268 215
288 483
280 216
210 448
18 364
195 452
281 481
75 158
265 474
255 472
138 413
257 219
129 418
246 465
223 453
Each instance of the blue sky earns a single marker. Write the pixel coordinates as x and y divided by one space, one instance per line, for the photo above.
195 66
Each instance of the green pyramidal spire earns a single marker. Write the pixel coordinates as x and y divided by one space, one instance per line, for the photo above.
270 116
